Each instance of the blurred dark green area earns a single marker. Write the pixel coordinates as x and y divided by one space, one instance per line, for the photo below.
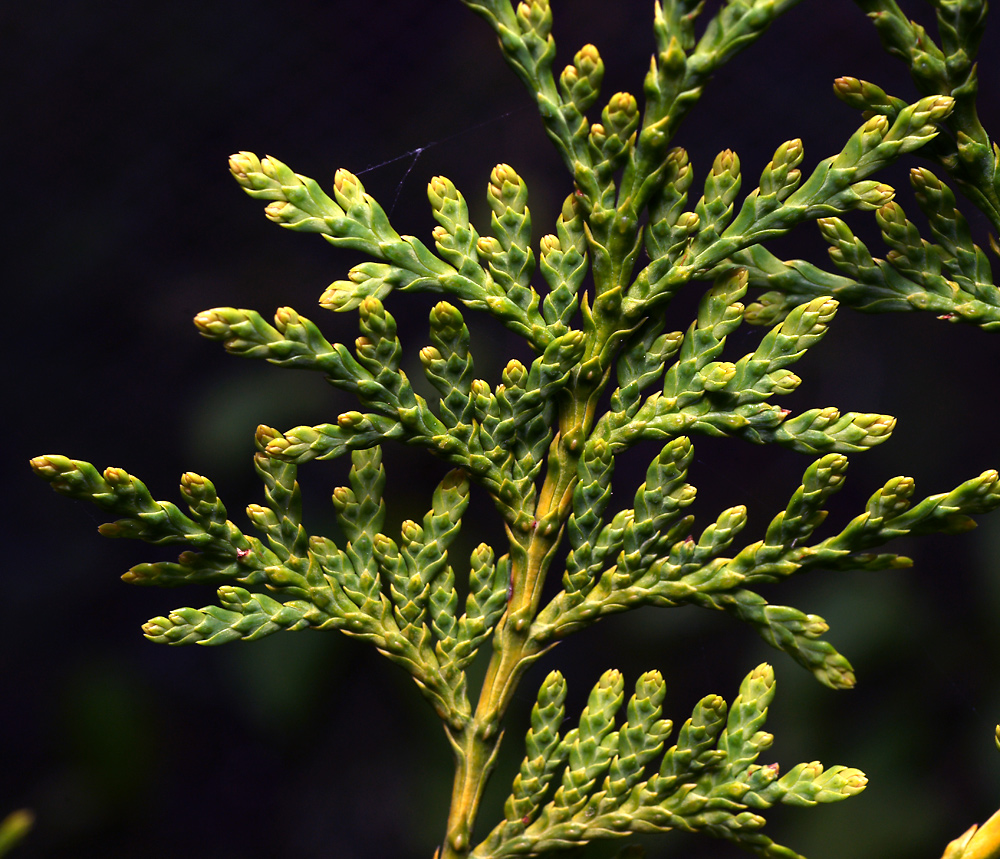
121 222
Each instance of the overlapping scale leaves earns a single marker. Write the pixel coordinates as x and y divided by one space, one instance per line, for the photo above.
701 393
714 237
498 434
605 780
353 219
649 555
591 300
948 274
399 595
947 66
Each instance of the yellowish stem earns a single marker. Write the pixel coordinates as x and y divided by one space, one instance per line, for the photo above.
476 745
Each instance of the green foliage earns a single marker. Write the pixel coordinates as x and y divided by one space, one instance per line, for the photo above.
953 277
542 440
709 780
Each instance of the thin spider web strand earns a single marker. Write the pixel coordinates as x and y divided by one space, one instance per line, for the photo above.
416 153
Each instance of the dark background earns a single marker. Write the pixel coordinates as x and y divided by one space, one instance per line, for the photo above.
121 222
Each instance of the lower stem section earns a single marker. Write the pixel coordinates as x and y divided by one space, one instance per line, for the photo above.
476 745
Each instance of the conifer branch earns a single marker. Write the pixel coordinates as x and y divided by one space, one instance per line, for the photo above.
399 596
719 398
709 781
608 371
951 276
967 153
689 245
353 219
647 556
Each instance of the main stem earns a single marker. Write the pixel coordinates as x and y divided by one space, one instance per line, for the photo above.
476 745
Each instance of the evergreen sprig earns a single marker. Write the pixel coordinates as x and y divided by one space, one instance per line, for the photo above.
647 555
708 781
967 153
353 219
951 276
399 596
722 398
609 370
